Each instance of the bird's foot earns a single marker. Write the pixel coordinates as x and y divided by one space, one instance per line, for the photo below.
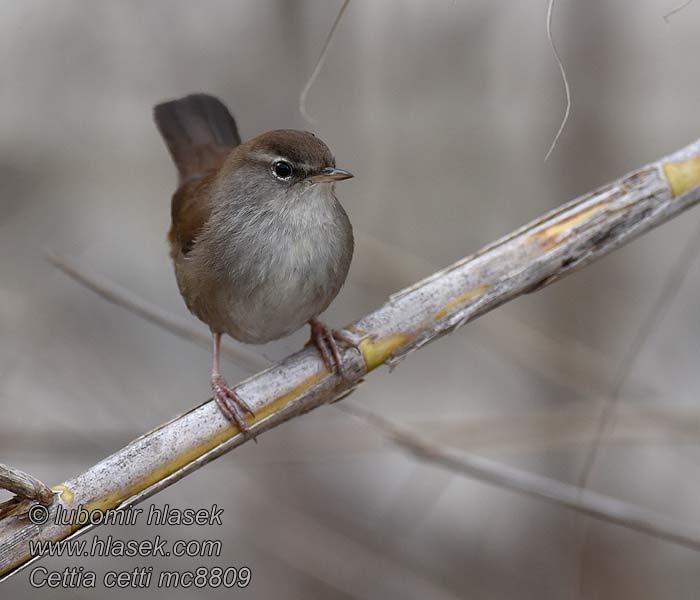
328 342
231 404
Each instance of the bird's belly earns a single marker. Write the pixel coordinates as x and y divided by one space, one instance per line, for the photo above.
279 306
280 298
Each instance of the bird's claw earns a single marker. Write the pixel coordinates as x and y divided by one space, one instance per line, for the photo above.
231 404
327 341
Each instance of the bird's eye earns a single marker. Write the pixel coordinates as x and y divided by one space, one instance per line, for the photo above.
282 169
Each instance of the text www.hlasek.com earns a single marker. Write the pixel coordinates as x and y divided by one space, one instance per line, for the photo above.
138 577
115 547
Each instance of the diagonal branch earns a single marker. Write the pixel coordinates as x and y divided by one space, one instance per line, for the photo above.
588 503
530 258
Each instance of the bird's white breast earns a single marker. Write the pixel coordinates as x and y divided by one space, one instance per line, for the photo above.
285 266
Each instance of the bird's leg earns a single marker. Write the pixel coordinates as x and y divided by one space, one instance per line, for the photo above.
229 402
326 340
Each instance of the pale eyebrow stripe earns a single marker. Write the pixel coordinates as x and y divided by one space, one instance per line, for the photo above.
270 157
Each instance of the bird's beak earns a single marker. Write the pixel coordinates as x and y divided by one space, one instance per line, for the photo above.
331 174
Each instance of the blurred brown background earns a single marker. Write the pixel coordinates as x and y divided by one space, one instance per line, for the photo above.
444 111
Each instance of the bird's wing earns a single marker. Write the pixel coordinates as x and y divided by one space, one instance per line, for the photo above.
190 208
200 133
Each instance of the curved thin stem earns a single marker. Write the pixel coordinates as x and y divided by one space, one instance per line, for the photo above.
678 8
319 65
567 89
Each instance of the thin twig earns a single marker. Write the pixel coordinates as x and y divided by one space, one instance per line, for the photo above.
669 290
589 503
122 297
24 485
678 8
28 490
567 90
553 429
319 64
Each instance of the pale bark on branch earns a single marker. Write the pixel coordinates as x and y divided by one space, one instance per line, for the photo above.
536 255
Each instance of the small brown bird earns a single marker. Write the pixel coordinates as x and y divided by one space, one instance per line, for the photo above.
259 241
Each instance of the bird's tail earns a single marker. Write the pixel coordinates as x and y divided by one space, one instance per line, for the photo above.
199 132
